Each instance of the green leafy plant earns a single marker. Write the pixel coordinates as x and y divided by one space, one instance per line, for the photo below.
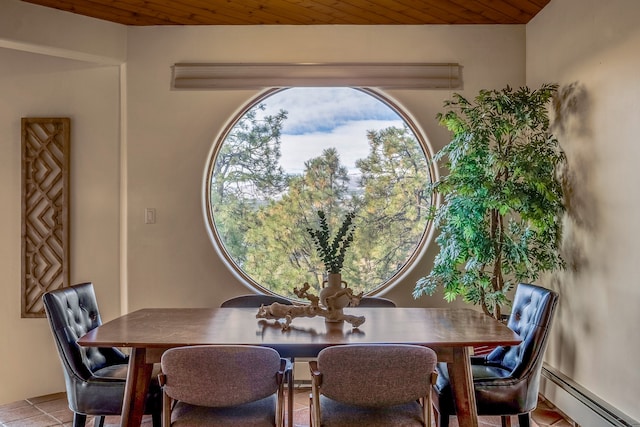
500 219
332 251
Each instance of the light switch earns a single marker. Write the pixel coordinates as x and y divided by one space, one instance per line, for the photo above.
149 215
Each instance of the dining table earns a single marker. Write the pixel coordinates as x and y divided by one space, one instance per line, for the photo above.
148 332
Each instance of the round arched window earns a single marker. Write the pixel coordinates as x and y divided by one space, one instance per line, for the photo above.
294 152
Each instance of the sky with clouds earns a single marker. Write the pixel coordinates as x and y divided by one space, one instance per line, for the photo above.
321 118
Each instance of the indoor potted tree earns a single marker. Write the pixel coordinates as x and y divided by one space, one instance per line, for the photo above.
500 217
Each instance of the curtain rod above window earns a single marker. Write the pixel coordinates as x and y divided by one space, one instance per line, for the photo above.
266 75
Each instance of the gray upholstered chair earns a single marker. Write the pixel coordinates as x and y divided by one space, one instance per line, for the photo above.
223 386
95 377
376 302
253 300
372 385
257 300
506 381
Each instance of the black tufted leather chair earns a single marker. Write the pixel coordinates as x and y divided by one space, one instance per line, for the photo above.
376 302
95 377
506 381
254 300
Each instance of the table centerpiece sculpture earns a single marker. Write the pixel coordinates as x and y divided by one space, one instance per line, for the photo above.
331 310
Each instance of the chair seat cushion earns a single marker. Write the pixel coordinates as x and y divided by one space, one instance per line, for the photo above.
255 414
112 372
109 386
480 373
119 372
497 392
335 413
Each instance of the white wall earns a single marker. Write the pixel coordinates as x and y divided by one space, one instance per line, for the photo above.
595 46
167 136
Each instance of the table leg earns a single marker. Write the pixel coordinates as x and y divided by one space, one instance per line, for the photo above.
462 387
290 401
290 394
138 379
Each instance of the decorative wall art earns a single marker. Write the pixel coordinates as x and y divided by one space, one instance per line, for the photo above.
45 210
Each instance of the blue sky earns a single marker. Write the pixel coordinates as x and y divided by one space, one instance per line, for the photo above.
321 118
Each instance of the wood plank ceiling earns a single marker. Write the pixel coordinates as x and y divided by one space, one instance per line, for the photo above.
302 12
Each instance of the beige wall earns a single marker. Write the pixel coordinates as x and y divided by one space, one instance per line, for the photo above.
39 86
595 45
170 133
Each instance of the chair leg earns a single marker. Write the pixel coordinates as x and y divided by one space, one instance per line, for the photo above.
79 420
100 421
426 410
524 419
290 392
505 420
166 410
156 418
442 420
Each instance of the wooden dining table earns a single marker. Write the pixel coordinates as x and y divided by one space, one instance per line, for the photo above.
451 332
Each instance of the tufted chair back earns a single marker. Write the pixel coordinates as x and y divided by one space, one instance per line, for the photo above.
506 381
530 318
376 302
73 312
254 300
95 377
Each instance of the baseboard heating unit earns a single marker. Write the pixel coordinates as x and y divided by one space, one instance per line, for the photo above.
577 403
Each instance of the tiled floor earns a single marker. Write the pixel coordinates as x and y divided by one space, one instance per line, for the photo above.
52 410
544 416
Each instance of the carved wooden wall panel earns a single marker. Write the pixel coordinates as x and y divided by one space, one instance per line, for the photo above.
45 210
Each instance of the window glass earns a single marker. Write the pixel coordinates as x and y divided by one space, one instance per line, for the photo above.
296 151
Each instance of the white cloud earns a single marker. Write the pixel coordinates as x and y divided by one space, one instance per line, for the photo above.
321 118
349 139
323 109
